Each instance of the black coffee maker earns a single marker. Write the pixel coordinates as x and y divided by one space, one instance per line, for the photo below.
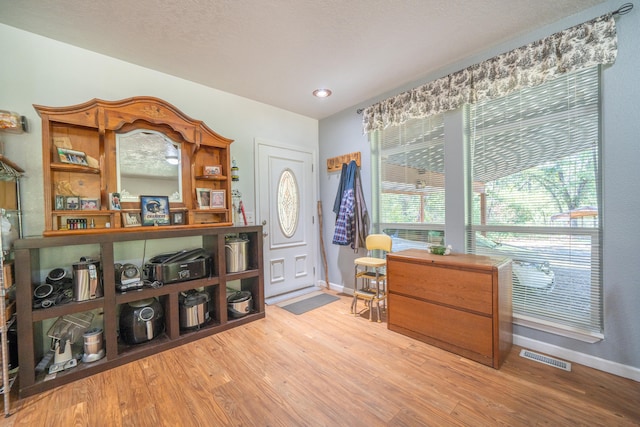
141 321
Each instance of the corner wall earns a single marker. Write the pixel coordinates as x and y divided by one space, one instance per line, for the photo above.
38 70
619 352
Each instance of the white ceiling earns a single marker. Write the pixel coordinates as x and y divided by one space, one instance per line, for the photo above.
278 51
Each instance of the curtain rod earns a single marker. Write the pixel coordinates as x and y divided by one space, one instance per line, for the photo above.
622 10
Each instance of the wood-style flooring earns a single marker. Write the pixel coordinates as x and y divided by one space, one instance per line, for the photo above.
329 368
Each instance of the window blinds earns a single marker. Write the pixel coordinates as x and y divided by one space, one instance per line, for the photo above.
412 172
536 154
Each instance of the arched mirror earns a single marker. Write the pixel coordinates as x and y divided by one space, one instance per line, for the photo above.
149 163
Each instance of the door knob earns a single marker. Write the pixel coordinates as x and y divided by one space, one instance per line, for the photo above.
264 222
265 234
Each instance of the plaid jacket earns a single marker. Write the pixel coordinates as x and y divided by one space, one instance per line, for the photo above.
343 234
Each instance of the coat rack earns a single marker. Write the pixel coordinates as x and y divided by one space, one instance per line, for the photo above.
335 163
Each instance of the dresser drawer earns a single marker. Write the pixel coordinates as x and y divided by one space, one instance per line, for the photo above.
468 334
468 290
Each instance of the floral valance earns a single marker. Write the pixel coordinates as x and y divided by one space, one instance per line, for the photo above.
579 47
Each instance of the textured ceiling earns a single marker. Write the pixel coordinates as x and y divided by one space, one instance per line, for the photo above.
278 51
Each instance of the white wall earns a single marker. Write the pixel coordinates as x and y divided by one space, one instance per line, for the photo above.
37 70
619 352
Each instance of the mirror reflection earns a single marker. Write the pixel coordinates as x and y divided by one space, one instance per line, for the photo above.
148 164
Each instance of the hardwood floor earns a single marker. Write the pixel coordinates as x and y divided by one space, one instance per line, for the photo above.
329 368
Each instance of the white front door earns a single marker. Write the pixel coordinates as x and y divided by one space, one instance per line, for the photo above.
285 200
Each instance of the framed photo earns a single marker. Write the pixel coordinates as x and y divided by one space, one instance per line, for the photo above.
131 219
155 210
203 195
218 199
177 218
87 204
72 203
114 202
73 157
60 203
215 170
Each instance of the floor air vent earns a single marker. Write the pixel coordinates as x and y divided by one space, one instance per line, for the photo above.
556 363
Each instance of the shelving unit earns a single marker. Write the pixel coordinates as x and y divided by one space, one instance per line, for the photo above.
30 321
7 380
10 174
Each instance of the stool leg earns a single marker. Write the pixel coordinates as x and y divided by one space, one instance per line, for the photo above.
354 303
377 294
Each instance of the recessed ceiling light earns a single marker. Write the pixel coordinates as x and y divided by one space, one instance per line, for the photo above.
321 93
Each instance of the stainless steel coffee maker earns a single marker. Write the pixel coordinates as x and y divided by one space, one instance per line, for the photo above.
87 280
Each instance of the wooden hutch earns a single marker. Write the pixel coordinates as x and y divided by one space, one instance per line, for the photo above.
93 130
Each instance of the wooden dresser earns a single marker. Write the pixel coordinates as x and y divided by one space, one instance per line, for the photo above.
459 302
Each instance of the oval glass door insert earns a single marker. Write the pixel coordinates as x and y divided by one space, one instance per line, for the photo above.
288 203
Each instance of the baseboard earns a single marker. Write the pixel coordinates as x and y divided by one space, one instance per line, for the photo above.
332 286
576 357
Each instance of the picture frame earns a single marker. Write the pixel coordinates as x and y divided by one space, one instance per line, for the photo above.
60 202
114 202
203 195
218 199
131 219
72 157
155 210
214 170
177 218
72 203
89 204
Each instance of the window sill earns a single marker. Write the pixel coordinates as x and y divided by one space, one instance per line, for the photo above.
554 328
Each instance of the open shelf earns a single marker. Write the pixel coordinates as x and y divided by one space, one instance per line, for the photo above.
32 323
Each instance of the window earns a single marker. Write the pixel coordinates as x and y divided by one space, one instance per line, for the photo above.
534 164
410 183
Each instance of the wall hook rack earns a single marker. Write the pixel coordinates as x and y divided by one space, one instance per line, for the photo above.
335 163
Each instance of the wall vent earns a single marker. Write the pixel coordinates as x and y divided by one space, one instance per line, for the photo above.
536 357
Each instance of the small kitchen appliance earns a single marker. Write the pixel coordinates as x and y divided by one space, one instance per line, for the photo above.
194 309
239 304
178 266
236 254
127 277
141 321
93 349
64 332
87 280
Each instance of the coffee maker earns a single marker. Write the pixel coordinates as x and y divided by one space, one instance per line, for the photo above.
87 280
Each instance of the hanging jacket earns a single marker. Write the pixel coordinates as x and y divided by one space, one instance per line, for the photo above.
352 222
341 188
361 217
343 233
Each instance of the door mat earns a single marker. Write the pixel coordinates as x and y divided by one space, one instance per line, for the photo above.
309 304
